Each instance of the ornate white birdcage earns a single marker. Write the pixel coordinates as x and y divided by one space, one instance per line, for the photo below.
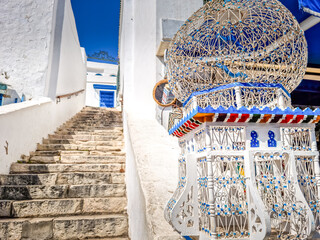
229 41
249 166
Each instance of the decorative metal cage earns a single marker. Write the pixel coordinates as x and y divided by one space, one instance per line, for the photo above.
246 41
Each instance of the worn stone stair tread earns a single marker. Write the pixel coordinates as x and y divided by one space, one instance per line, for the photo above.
111 130
73 152
32 192
95 157
20 168
86 142
88 137
63 228
62 207
79 147
108 238
71 178
46 153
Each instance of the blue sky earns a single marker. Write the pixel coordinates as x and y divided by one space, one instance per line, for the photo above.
98 25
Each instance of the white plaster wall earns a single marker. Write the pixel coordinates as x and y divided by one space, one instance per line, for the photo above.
166 9
140 35
152 177
152 154
137 54
106 70
72 70
144 62
92 96
25 33
126 52
24 124
138 229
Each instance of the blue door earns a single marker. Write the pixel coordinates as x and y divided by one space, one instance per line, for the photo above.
1 97
107 99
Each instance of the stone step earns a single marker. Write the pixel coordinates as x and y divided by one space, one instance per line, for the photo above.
92 137
108 238
90 124
62 178
65 228
91 133
80 147
57 153
56 168
95 132
77 129
61 191
94 226
83 142
103 158
46 153
44 159
96 158
62 207
98 119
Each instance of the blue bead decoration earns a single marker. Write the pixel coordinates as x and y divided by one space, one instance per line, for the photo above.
272 142
254 141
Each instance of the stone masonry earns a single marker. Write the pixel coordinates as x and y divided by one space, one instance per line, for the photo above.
72 186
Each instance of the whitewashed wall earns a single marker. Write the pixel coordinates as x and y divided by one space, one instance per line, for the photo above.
106 70
140 35
24 124
72 70
40 51
25 33
149 147
137 54
178 10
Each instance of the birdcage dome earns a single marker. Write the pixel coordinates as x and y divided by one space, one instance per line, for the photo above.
237 41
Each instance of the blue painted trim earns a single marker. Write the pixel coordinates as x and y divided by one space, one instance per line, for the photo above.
181 122
101 86
253 110
1 97
187 237
231 85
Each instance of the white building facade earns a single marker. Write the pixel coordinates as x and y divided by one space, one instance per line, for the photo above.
101 88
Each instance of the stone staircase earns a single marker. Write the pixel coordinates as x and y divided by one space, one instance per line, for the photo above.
72 186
